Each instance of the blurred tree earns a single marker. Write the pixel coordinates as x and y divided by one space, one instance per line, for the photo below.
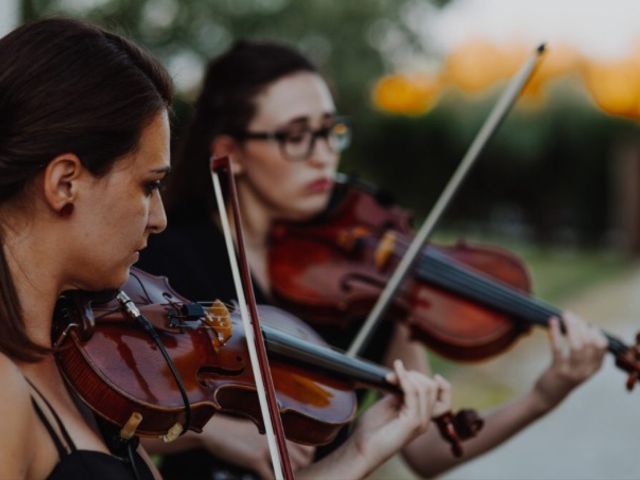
345 39
547 172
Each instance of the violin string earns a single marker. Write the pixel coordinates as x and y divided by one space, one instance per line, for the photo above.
491 292
324 358
514 302
482 288
497 295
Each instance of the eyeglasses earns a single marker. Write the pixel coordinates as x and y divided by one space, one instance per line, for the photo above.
297 143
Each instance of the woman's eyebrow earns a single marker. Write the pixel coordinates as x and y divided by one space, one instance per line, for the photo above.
166 170
301 120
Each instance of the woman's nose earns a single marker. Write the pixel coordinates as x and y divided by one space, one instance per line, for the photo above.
157 214
321 153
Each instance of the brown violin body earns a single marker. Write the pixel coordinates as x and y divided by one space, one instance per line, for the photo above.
117 369
332 270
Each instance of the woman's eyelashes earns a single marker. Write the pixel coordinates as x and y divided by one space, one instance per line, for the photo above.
149 187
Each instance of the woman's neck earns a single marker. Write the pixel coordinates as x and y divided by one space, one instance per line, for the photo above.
35 283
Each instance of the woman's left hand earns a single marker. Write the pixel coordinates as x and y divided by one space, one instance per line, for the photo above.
575 358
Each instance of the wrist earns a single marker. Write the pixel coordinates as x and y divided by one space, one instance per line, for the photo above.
544 397
348 461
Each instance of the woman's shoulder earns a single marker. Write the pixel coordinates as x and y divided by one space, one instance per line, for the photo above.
16 413
14 384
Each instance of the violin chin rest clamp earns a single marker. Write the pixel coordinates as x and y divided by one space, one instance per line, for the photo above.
129 428
173 433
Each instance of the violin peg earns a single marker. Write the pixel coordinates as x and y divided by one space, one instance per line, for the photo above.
631 381
630 361
467 423
448 432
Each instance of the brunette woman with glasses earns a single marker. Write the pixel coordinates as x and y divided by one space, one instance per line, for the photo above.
267 107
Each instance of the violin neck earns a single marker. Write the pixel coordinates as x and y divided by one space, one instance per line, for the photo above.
440 271
326 360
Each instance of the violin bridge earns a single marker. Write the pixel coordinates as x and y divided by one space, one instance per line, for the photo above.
173 433
348 239
385 249
129 428
219 319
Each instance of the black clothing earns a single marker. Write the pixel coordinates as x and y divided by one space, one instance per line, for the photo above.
83 464
194 258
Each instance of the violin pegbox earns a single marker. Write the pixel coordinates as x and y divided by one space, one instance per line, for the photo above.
629 361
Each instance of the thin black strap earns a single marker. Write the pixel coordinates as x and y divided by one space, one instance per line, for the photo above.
52 433
63 431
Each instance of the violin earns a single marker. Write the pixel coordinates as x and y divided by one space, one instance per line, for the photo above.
118 371
475 300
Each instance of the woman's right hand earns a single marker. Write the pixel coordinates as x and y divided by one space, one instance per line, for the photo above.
394 421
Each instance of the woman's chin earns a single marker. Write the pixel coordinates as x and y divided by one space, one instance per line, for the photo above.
113 281
306 210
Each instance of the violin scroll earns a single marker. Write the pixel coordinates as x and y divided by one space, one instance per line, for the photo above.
459 427
629 361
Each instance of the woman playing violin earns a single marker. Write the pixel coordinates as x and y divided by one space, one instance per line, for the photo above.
267 107
84 146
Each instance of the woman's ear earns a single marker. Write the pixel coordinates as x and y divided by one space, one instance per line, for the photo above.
227 146
60 183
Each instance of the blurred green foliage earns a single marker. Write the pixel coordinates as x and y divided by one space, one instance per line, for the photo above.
340 36
547 175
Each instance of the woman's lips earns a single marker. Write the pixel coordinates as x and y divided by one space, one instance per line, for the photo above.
319 186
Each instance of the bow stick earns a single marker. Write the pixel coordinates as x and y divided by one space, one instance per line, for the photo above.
495 118
255 342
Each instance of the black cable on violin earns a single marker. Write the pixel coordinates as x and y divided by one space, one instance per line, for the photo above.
133 312
132 461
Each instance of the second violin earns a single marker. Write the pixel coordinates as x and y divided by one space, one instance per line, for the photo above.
474 301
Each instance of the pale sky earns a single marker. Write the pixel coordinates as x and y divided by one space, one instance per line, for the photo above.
598 28
8 16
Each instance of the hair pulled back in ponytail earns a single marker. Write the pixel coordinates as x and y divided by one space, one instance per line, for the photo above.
66 86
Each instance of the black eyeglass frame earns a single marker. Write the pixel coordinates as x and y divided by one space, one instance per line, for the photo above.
282 136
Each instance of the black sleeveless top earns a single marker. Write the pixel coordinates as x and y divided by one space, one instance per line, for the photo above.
87 464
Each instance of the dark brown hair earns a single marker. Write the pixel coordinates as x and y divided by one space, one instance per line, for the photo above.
225 106
67 86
